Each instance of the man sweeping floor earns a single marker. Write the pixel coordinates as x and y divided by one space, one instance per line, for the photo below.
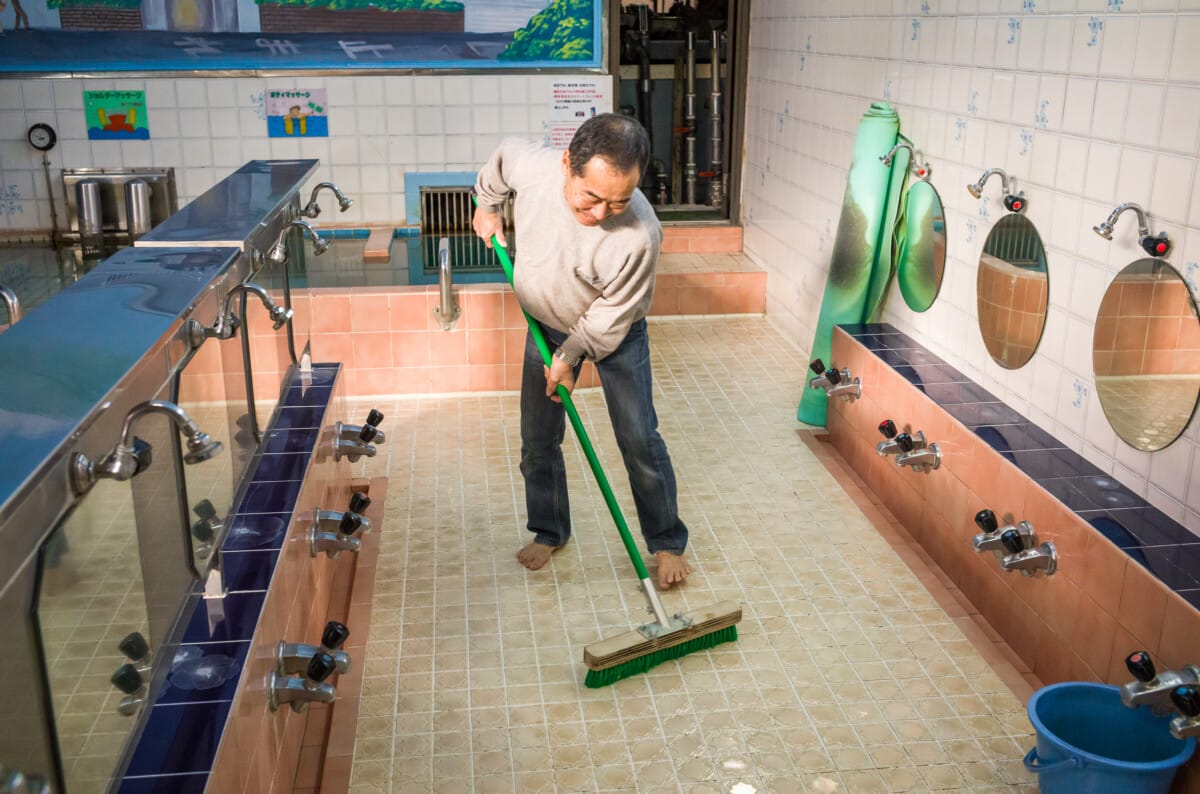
589 245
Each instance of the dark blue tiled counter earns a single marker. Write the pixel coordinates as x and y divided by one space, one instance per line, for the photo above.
177 747
1156 541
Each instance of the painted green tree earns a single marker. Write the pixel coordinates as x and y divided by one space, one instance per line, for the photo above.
561 32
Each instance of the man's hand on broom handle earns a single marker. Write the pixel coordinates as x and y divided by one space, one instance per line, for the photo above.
487 222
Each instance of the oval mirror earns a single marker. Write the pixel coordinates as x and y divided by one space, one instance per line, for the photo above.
1013 291
921 246
1146 354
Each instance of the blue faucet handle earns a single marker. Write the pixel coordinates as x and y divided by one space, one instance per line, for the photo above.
1187 700
1012 541
374 417
320 667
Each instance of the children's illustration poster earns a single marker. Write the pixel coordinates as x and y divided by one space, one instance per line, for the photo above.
116 115
51 36
297 113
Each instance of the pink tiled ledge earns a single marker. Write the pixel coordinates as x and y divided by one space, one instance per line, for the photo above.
1078 624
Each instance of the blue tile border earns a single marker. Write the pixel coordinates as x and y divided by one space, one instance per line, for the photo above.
1150 537
183 730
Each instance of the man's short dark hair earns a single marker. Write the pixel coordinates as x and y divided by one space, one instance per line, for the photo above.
618 140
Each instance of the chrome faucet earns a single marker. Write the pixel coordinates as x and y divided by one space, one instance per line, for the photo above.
991 538
137 650
278 253
206 526
1187 700
923 459
332 532
294 657
835 382
1151 688
889 446
1014 202
1155 245
13 781
368 432
312 209
1021 557
227 322
132 455
916 159
300 692
129 680
12 303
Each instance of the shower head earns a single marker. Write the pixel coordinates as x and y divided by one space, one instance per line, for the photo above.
131 455
976 189
201 447
887 158
1104 229
313 209
320 245
279 314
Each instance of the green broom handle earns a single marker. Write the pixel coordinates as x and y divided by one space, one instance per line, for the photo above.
540 340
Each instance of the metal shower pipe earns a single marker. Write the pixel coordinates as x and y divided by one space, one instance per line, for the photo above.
717 192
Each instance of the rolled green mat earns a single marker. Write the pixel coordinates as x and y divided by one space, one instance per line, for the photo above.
861 265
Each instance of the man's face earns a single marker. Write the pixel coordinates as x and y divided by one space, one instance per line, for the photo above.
600 192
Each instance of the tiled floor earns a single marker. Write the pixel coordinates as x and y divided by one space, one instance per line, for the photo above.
847 676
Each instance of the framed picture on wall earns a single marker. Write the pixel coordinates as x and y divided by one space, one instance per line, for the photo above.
145 36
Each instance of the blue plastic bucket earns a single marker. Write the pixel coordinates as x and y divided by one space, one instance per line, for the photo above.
1088 743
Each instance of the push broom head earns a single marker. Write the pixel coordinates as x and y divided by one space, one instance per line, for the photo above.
631 653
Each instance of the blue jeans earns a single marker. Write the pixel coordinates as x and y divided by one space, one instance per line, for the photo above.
628 385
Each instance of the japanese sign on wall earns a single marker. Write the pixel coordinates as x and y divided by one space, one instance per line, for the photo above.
116 115
297 113
572 102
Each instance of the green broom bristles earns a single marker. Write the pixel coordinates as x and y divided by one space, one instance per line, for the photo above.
610 675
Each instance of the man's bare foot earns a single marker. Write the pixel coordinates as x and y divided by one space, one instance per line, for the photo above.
672 569
534 555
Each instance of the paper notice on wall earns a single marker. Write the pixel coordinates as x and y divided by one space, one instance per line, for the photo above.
573 101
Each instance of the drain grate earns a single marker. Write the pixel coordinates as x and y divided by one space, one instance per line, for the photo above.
446 211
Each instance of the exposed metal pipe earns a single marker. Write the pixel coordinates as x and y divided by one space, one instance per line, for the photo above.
12 303
717 191
449 311
689 167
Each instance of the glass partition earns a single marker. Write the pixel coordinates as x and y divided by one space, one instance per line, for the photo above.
89 600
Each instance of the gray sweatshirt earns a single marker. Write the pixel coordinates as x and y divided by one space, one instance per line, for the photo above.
590 282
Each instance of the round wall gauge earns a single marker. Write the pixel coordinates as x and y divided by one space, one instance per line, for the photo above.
42 137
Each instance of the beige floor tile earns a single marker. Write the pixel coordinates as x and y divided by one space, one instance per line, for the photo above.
847 675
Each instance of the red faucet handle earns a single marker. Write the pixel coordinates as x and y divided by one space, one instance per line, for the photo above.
888 428
1141 666
817 366
986 520
1187 700
374 417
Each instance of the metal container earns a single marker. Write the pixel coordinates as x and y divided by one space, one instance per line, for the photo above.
137 207
87 194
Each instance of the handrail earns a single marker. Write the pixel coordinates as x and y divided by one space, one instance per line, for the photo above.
12 303
448 312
